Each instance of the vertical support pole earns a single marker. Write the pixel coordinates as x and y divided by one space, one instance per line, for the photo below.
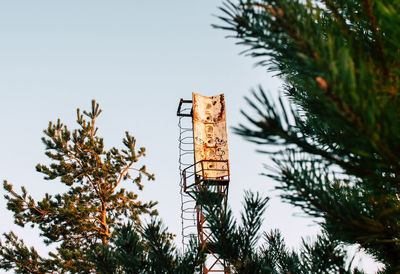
211 166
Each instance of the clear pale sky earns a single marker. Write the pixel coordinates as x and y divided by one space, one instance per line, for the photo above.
137 59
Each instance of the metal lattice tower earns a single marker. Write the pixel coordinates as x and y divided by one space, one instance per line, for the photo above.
204 163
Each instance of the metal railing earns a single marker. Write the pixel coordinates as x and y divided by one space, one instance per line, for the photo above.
201 175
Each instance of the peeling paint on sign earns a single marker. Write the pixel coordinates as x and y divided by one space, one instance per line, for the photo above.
210 135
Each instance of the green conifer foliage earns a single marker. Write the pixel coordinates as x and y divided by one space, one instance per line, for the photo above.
146 249
240 243
87 214
336 143
246 249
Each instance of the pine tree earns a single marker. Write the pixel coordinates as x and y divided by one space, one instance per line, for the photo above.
146 249
149 249
87 214
248 250
336 140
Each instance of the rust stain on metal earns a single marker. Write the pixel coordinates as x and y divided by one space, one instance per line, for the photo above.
210 135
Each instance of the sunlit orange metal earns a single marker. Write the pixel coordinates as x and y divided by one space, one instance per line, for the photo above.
211 165
210 135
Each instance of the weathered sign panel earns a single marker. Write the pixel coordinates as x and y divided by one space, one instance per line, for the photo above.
210 136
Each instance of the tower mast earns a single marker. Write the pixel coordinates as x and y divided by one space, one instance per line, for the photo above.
209 169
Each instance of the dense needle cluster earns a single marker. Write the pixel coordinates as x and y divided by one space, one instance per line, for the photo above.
336 143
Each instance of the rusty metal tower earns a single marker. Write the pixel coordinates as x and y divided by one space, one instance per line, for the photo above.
204 162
